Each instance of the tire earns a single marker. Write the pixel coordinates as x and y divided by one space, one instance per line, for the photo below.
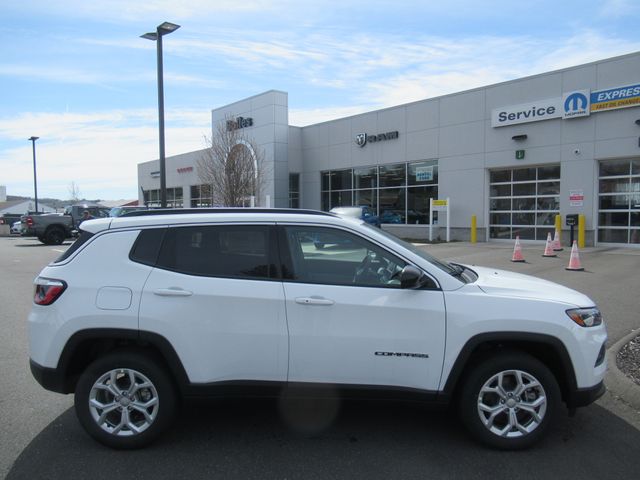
497 416
54 236
128 421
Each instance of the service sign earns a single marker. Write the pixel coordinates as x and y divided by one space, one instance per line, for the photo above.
527 112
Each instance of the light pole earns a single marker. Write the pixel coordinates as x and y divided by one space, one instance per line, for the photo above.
35 181
163 29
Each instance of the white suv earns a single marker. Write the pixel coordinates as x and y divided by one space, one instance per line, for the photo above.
145 308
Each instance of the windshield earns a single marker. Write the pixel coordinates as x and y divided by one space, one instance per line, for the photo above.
442 265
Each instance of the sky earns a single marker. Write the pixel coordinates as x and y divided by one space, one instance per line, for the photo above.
77 74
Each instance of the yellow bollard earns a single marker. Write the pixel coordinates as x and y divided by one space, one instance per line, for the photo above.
581 231
474 229
559 227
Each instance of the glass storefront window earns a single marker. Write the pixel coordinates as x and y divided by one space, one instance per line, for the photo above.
369 186
325 179
342 199
423 173
366 197
392 205
294 190
341 179
392 175
418 204
365 177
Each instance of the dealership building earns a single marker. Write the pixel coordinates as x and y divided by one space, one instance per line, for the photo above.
514 155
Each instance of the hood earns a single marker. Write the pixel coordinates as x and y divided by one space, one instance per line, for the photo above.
511 284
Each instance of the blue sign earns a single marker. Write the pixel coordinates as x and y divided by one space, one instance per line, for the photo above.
613 98
575 104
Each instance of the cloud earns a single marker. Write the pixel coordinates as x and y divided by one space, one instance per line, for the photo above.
100 152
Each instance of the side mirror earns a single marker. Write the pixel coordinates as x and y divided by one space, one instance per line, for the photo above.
411 277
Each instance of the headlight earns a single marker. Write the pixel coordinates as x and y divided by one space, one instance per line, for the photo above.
585 317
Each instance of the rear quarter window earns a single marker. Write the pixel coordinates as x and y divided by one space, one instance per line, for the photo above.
147 246
82 239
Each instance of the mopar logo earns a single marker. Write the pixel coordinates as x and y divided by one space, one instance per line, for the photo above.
576 104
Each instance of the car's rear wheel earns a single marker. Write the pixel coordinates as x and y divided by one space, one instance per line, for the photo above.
124 400
509 400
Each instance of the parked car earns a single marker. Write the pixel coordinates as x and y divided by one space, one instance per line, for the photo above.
389 216
119 211
363 213
16 228
143 309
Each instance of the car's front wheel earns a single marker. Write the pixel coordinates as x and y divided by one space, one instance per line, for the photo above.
125 400
509 400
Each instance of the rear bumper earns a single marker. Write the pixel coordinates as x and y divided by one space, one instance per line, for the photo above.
586 396
50 378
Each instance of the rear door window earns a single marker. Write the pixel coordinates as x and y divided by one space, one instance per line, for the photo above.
233 251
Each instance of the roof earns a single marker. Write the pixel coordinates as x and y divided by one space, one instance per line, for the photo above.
162 217
20 207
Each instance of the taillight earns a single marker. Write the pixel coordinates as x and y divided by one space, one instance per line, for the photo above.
48 290
29 222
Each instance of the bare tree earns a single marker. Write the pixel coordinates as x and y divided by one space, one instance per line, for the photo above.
232 166
74 192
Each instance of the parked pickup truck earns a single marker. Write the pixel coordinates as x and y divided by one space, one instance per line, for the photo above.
50 228
53 228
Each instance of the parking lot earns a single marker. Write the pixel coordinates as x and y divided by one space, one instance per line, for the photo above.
273 439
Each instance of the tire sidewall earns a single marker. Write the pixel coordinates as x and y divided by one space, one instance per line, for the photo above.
143 364
487 368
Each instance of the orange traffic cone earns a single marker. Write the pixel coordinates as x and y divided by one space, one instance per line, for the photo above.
517 252
574 261
548 248
557 246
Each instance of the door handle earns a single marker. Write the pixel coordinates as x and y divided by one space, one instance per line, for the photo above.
172 292
314 301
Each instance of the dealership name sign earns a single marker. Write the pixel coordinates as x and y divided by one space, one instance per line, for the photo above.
578 103
363 138
239 122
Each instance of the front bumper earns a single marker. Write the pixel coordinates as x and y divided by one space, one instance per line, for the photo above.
582 397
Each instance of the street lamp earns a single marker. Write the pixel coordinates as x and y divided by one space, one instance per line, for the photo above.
163 29
35 182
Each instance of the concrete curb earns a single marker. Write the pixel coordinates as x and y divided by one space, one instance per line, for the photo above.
616 381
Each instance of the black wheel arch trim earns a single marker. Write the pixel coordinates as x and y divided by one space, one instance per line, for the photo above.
473 343
61 380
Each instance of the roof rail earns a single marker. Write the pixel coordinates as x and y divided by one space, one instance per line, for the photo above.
184 211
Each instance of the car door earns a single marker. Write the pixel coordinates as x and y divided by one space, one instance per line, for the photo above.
349 321
216 297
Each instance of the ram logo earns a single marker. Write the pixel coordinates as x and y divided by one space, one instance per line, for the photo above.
361 139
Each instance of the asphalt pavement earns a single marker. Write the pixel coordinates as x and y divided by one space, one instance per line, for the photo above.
41 437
